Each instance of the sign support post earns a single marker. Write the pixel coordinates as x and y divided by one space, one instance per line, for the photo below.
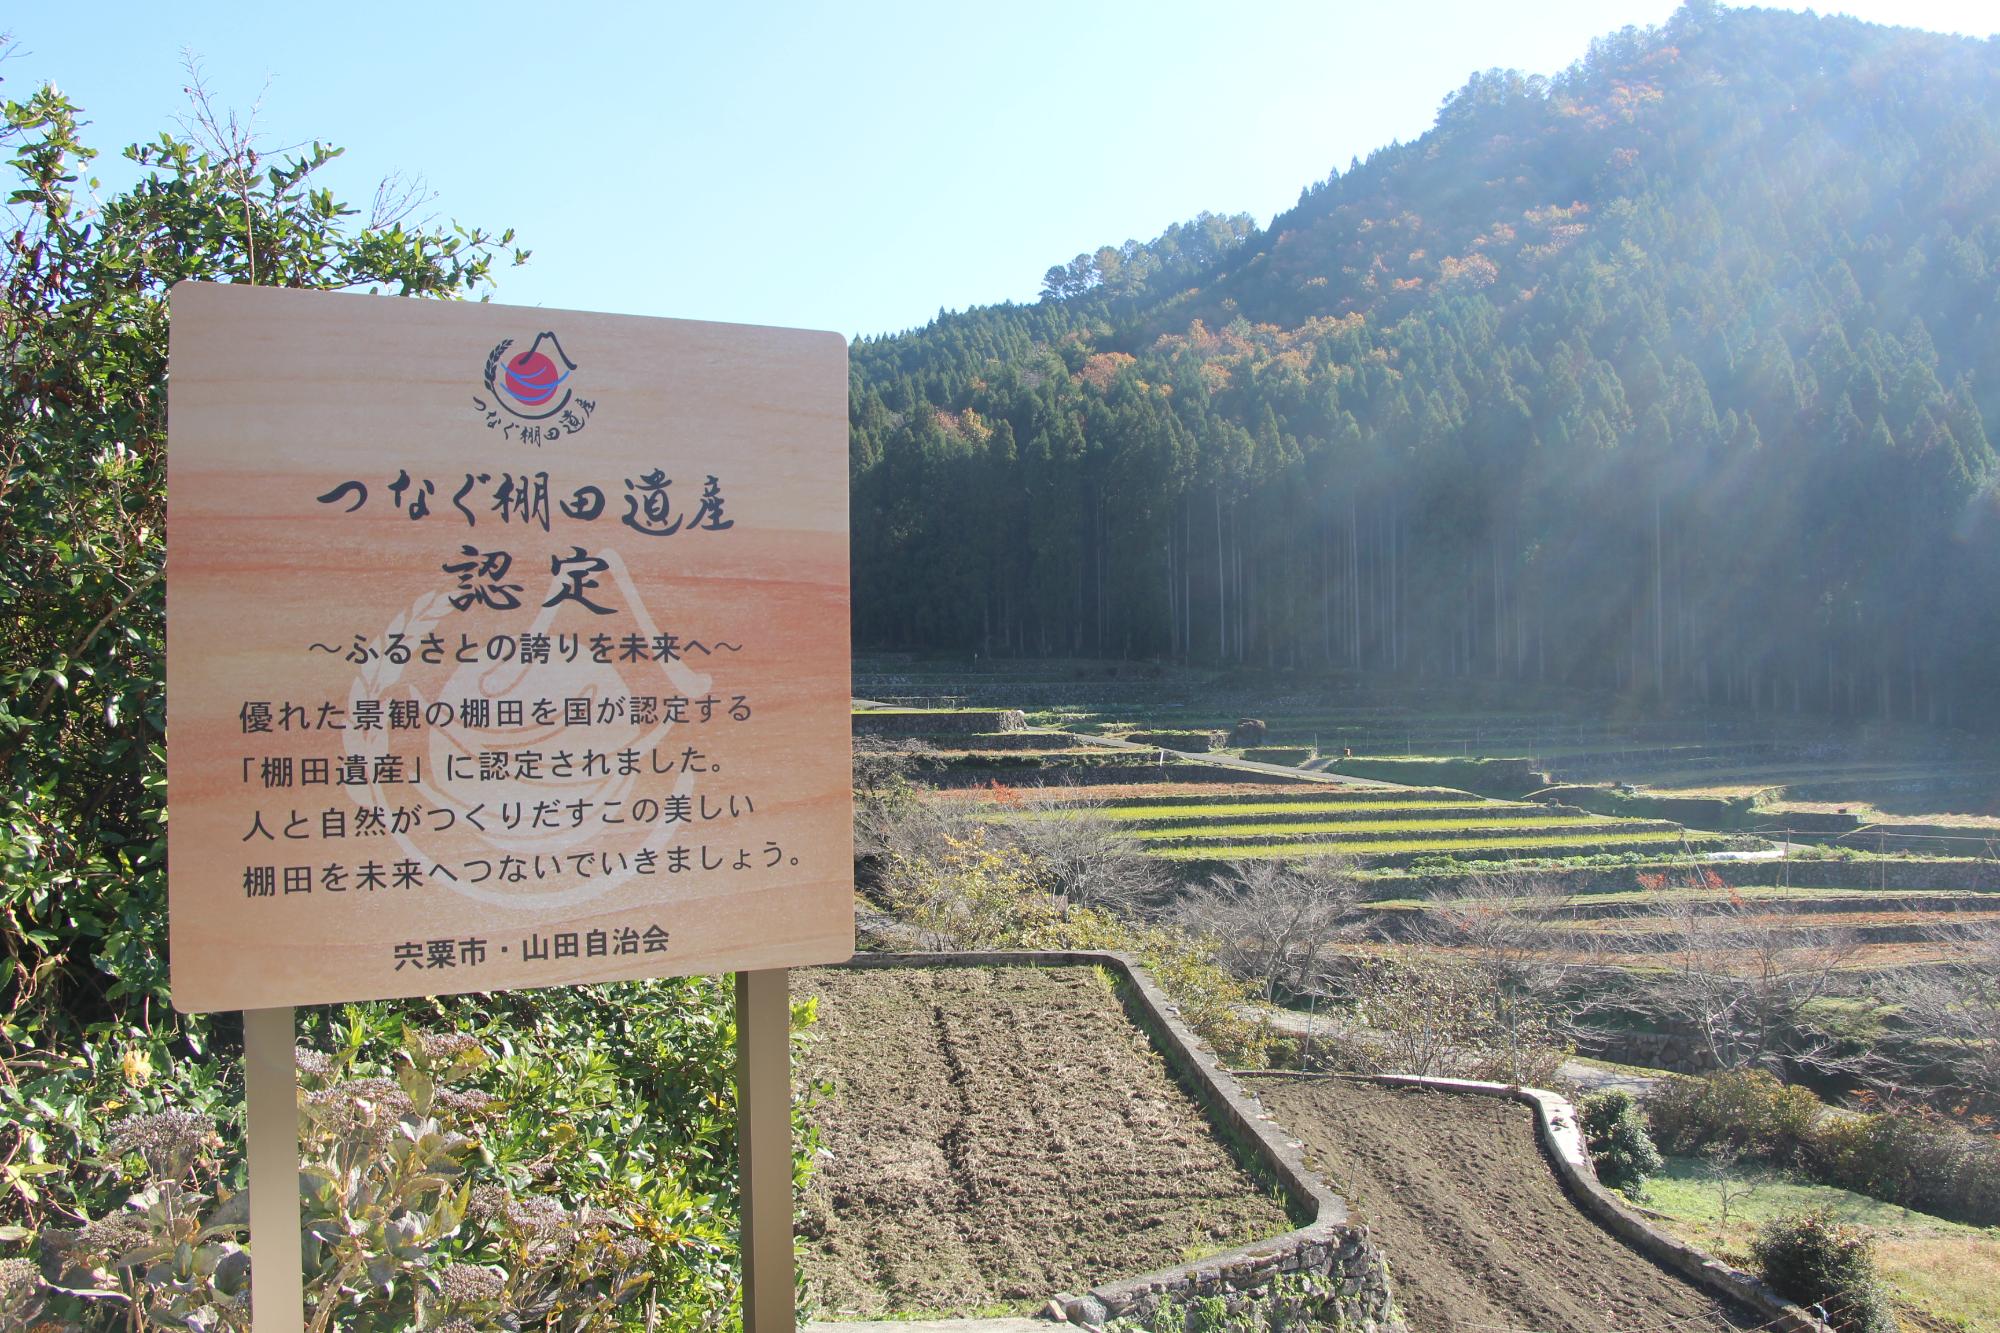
271 1086
764 1149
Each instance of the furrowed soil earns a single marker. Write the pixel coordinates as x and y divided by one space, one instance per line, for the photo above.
1478 1230
997 1135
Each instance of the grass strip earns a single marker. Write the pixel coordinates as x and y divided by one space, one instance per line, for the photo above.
1394 847
1136 813
1408 827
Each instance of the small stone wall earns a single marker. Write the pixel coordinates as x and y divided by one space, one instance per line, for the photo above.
1332 1244
1186 742
1650 1050
911 723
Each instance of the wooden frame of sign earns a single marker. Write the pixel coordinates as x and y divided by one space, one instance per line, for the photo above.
505 648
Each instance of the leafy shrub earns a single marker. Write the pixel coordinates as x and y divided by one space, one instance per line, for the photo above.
1816 1261
82 532
1749 1110
1915 1157
1909 1155
1620 1148
599 1102
406 1223
610 1108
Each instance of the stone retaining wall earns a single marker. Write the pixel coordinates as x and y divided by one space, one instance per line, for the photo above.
912 723
1186 742
1331 1244
1563 1142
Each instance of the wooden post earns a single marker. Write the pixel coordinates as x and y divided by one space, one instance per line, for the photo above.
271 1086
764 1149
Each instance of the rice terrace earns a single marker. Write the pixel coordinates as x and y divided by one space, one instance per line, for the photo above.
1433 881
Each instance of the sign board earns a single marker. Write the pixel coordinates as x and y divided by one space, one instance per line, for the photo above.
505 647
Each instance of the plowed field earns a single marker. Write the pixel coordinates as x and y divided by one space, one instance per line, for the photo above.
996 1135
1479 1232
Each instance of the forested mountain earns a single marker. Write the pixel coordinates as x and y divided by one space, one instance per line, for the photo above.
1671 374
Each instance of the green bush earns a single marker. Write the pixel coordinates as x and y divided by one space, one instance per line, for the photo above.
606 1112
1749 1110
410 1218
612 1102
1816 1261
1620 1148
82 527
1914 1157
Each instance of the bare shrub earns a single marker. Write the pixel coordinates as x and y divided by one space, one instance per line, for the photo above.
886 793
1512 931
1740 983
1082 857
1276 923
1949 1013
1422 1013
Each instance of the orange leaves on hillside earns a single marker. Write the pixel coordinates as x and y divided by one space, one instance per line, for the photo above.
1469 273
1243 345
1552 214
967 424
1101 369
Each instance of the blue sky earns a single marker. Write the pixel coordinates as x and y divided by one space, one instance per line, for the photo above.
851 167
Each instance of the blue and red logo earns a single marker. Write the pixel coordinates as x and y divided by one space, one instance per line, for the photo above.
532 384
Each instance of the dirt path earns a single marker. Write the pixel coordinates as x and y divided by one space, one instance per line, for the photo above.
996 1135
1251 766
1480 1236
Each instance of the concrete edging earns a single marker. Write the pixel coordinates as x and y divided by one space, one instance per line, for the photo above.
1562 1139
1332 1243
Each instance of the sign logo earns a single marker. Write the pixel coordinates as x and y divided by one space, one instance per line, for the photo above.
528 392
532 385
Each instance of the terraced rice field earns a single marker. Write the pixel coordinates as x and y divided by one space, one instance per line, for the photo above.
1381 826
1857 930
1863 922
1822 775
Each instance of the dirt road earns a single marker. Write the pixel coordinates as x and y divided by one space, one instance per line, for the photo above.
1480 1235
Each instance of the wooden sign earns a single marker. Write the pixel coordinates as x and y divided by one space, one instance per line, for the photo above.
505 647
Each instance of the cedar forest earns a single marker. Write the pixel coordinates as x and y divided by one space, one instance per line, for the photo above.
1669 375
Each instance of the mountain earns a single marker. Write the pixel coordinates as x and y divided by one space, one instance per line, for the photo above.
1670 374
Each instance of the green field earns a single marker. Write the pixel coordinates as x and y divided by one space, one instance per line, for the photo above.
1379 826
1429 738
1141 815
1408 829
1942 1270
1498 848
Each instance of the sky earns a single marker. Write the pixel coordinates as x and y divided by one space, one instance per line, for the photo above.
853 167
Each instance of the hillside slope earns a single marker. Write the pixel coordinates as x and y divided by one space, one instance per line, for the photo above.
1670 374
